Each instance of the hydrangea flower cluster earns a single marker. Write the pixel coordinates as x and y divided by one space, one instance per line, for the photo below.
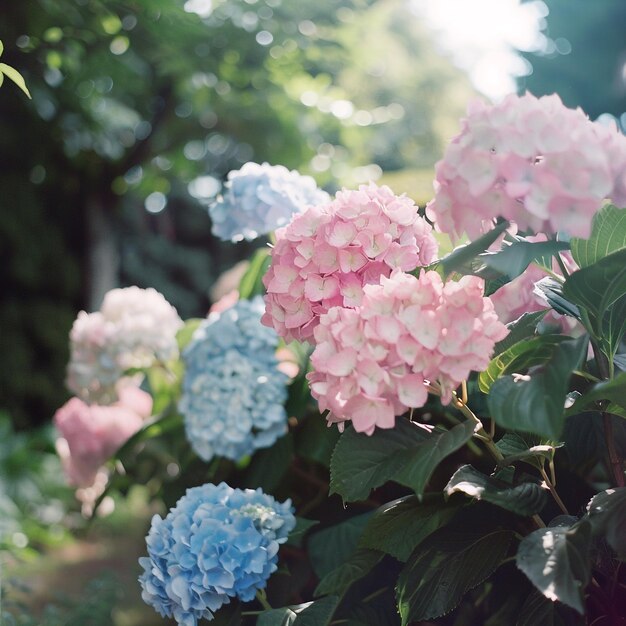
325 256
370 363
260 199
90 434
133 329
532 161
233 392
215 544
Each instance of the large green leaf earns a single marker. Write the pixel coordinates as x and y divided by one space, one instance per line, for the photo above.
537 610
520 356
523 499
613 390
398 527
269 465
608 235
315 441
463 255
516 256
522 328
556 560
444 568
600 289
303 525
407 454
607 514
356 567
330 547
535 403
252 282
318 613
552 291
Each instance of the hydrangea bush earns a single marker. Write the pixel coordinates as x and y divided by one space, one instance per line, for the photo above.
453 436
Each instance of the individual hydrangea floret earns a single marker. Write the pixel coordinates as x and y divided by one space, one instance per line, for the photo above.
215 544
532 161
90 434
370 363
325 256
519 296
260 199
133 329
233 392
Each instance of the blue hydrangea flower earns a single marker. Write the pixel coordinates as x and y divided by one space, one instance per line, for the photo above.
260 199
215 544
233 393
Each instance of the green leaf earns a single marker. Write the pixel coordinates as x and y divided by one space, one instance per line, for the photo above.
318 613
163 386
552 291
444 568
184 335
600 289
252 282
398 527
613 390
524 499
526 448
303 525
357 566
537 610
520 356
331 547
608 235
536 404
522 328
269 465
315 441
407 454
1 47
556 560
15 76
515 257
607 514
465 254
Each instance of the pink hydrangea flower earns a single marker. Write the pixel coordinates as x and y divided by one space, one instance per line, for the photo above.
371 363
90 434
519 296
325 256
532 161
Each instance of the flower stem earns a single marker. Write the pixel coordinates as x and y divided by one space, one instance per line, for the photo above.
480 432
552 490
615 463
262 598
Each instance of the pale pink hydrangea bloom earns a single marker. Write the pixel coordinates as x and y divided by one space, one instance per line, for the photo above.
530 160
90 434
325 256
133 329
370 363
519 296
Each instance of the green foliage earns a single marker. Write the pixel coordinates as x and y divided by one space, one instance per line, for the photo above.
357 566
536 402
318 613
517 255
608 235
398 527
526 498
600 291
441 571
407 454
556 561
251 284
607 515
522 328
